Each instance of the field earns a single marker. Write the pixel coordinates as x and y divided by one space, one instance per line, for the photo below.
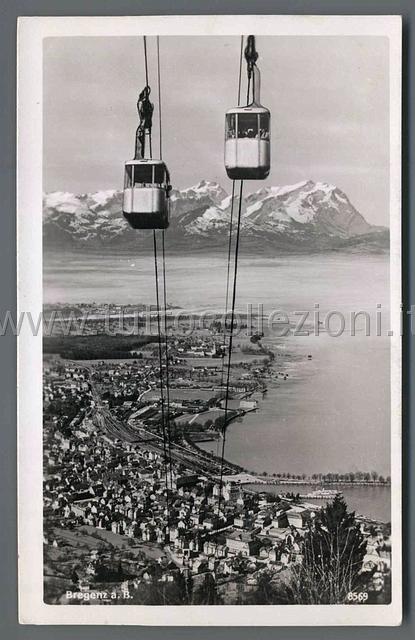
182 394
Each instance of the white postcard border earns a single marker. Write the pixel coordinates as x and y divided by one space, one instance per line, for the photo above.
31 31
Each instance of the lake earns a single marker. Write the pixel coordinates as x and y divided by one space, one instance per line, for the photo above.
373 502
333 411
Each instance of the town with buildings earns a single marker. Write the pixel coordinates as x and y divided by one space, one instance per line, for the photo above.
135 515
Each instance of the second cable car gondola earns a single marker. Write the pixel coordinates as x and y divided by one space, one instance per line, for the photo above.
146 194
247 130
247 145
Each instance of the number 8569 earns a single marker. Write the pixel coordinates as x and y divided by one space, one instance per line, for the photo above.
354 596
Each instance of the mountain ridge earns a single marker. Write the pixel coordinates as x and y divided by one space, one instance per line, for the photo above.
305 217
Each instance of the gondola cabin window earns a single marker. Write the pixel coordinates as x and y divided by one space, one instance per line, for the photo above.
146 191
248 125
230 131
159 174
143 175
264 126
128 176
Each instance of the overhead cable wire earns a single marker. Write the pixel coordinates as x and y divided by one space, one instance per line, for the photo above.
160 353
159 95
166 460
235 275
231 225
147 85
167 378
230 235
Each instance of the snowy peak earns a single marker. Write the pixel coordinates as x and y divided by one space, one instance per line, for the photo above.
70 202
307 202
104 200
201 191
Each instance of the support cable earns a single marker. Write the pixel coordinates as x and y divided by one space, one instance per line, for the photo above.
230 234
163 421
227 281
148 93
166 351
251 57
159 95
145 58
235 274
147 113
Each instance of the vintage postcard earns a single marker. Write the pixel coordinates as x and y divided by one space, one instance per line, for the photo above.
209 320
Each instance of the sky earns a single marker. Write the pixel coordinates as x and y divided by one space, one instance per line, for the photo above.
328 97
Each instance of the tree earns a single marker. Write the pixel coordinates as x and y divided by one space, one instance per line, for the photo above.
220 423
267 592
333 552
206 592
184 585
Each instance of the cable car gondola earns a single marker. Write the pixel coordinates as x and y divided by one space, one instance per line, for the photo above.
146 180
146 194
247 132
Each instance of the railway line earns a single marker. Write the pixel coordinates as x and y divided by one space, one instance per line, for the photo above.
192 458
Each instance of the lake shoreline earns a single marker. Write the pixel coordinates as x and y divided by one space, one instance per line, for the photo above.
333 412
270 481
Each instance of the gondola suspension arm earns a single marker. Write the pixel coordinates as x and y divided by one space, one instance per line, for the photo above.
145 110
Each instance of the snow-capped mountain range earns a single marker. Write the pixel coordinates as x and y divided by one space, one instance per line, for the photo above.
304 217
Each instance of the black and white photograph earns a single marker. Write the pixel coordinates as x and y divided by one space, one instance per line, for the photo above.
209 320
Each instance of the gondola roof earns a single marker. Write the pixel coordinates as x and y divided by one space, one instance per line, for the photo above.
151 161
251 108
